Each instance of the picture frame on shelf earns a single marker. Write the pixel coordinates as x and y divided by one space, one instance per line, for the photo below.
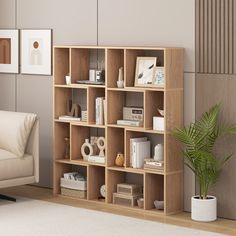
159 76
9 51
145 71
36 55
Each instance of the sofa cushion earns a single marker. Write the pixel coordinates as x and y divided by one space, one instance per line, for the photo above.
12 167
15 128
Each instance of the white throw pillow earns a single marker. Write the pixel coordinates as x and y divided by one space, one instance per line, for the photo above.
15 128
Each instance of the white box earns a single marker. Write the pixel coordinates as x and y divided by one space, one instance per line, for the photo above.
74 184
158 123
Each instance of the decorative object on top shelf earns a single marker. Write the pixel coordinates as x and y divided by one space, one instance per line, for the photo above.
199 139
89 147
9 41
103 191
159 152
120 160
120 81
36 51
159 76
159 204
67 148
68 79
145 71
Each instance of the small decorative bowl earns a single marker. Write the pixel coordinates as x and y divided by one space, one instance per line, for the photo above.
140 202
159 205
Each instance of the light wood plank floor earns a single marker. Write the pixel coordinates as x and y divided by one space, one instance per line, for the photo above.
224 226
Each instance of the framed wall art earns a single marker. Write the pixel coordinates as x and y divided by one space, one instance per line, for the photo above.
36 47
9 51
145 71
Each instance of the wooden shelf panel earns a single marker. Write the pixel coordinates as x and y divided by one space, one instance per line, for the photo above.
79 162
135 170
81 86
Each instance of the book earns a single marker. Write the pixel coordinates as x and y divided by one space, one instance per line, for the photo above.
130 123
132 140
99 110
97 159
151 167
141 150
69 118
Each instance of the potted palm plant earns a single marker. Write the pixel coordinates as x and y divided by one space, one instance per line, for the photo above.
199 139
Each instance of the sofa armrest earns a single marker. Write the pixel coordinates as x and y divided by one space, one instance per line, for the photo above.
32 148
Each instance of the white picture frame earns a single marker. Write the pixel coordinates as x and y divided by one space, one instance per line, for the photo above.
9 51
159 77
36 51
144 71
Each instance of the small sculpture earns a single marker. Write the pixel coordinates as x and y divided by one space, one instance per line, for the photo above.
85 146
73 109
103 190
67 148
120 81
120 160
101 146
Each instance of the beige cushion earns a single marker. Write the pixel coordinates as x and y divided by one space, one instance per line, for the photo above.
12 167
15 128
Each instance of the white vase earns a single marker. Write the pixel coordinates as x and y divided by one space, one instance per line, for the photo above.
204 210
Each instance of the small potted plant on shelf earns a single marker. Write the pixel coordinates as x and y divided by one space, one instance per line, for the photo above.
199 139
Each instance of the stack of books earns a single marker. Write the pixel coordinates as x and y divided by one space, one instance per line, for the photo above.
151 164
100 110
139 151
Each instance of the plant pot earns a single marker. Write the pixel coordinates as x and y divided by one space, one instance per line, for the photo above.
204 210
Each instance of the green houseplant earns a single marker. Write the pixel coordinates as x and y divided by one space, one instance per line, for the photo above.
199 139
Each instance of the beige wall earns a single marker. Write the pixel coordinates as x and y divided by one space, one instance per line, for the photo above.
123 22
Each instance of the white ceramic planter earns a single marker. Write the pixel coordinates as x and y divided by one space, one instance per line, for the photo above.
204 210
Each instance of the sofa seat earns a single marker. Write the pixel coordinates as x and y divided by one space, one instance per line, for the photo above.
12 166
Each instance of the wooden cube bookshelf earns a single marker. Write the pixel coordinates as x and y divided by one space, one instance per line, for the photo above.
166 185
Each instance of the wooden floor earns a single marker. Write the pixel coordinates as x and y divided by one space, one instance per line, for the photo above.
224 226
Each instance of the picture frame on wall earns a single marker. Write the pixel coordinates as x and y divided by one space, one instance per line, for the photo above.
145 71
36 51
9 51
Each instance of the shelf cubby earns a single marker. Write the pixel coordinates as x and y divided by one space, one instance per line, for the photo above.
93 93
61 131
83 59
130 60
153 100
61 64
78 135
115 60
154 183
115 142
153 138
117 99
60 169
96 178
117 177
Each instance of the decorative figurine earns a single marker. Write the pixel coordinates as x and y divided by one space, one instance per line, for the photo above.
120 160
88 146
101 146
120 81
67 148
158 153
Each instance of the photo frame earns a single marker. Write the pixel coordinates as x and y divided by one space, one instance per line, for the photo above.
159 76
145 71
9 51
36 51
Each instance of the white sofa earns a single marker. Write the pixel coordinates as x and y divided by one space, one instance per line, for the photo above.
19 149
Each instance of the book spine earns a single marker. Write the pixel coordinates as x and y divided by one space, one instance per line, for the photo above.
134 155
131 153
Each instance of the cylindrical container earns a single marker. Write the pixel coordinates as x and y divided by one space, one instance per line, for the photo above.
159 152
204 210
